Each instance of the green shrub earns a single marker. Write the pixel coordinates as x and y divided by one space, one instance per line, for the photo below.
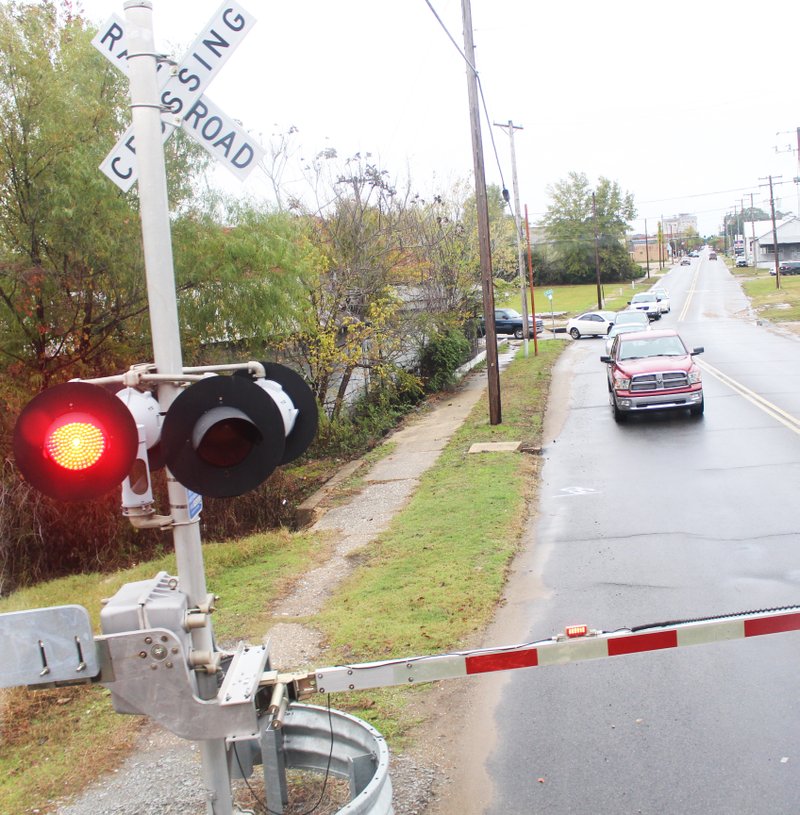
441 357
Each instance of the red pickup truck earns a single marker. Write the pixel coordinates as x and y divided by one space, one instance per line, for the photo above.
653 370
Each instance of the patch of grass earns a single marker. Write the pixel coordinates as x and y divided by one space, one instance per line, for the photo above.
777 305
575 299
50 739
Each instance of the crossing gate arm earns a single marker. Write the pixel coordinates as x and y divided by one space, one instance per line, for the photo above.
577 643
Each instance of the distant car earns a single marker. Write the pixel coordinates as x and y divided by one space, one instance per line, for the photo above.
712 255
741 261
652 370
590 323
663 296
686 262
639 318
694 254
624 328
647 302
509 321
790 267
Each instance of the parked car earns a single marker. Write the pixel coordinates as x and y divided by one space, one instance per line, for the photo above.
741 261
647 302
509 321
789 267
624 328
686 262
663 296
629 317
653 370
590 323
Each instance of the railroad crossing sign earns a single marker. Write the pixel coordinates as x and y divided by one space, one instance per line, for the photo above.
182 97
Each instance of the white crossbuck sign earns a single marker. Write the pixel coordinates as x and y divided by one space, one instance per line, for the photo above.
182 96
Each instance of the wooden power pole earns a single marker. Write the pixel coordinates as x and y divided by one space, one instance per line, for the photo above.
487 283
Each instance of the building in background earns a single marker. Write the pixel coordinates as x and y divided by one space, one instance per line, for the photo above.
678 231
639 248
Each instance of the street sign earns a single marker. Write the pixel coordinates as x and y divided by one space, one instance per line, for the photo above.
548 293
182 96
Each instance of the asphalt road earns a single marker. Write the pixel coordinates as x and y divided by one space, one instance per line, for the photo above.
664 517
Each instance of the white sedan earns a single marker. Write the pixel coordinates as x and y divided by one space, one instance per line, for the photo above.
663 296
591 323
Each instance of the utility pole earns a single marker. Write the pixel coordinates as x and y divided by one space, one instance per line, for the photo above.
596 252
530 275
753 232
774 231
790 149
511 127
492 371
661 243
647 248
797 179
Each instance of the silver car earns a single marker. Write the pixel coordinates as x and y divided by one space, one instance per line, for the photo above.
632 317
624 328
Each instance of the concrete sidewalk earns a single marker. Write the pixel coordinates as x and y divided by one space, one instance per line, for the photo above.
355 523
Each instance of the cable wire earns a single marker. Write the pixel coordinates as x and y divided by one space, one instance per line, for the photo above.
316 806
480 88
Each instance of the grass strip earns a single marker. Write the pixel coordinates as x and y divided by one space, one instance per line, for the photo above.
432 581
778 305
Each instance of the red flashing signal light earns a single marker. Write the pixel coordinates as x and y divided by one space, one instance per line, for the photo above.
573 631
75 441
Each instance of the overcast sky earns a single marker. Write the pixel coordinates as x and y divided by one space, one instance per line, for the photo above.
685 104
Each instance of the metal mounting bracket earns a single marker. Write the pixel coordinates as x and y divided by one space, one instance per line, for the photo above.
148 671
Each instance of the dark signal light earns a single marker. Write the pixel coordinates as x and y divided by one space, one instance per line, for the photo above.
75 441
224 435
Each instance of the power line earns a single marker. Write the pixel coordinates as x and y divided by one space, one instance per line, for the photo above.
480 88
701 194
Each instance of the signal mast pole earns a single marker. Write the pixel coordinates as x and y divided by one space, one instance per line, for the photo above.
162 301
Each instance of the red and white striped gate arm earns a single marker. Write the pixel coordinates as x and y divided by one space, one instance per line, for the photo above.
576 644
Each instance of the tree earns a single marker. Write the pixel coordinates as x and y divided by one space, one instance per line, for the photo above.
243 274
502 233
570 226
354 317
72 294
448 265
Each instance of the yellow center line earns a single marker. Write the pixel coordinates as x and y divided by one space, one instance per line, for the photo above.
692 285
774 411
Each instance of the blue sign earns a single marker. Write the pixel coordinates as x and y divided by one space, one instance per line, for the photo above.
195 503
548 293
